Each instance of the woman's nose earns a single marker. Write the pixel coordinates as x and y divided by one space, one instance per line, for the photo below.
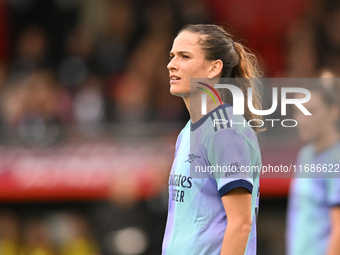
172 64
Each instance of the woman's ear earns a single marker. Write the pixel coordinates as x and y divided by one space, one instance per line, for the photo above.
215 69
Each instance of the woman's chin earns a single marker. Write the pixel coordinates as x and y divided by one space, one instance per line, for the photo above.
178 92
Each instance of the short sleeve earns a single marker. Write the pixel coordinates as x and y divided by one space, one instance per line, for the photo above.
230 153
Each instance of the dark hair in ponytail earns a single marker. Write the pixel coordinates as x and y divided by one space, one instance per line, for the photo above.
238 62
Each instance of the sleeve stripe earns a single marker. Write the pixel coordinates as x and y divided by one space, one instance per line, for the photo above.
236 184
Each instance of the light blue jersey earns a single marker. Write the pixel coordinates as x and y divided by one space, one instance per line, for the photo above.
310 203
196 217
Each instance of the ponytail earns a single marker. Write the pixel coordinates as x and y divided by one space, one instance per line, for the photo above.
247 70
238 62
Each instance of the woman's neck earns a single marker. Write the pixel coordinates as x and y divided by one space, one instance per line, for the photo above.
194 107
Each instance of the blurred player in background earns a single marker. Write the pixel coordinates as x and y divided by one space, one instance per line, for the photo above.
212 215
314 203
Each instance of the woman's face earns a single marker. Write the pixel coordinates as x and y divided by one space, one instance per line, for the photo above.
312 127
187 60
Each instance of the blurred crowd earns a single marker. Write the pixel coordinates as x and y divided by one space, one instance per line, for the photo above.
109 64
83 228
58 233
111 69
313 41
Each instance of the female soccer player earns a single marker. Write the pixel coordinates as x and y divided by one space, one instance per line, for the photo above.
313 223
212 212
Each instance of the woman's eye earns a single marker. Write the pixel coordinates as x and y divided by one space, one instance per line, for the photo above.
171 57
185 56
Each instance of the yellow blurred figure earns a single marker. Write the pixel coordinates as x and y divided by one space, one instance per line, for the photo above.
9 234
36 239
81 242
80 246
8 247
36 251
